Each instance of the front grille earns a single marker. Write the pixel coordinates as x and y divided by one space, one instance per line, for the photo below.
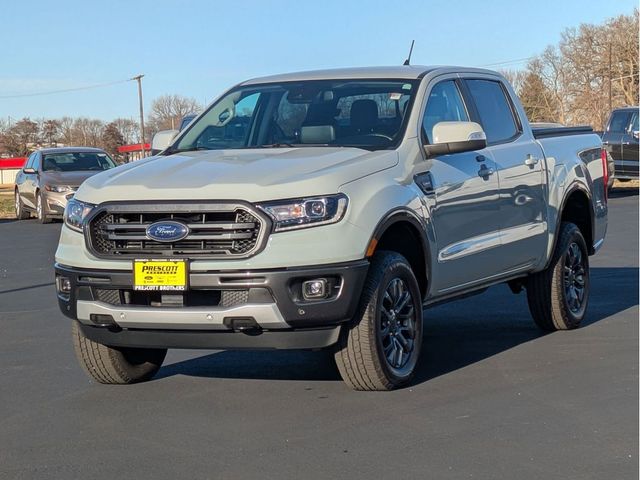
190 298
217 231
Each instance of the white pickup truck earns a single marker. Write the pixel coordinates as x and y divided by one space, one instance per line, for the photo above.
327 209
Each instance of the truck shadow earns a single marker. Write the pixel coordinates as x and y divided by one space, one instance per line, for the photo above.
457 334
621 192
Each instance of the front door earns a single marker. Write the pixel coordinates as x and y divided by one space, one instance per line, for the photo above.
629 147
461 193
612 138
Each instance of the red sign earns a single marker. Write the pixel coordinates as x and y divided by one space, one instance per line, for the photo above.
133 148
12 163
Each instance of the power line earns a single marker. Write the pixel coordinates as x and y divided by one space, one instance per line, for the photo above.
507 62
76 89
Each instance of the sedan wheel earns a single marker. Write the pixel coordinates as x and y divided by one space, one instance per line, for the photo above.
40 209
21 213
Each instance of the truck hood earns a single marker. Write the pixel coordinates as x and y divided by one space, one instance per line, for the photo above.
252 175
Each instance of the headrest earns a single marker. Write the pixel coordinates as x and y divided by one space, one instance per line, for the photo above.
364 113
317 134
321 114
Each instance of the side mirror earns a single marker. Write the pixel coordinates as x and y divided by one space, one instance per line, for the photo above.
456 137
29 171
636 134
162 140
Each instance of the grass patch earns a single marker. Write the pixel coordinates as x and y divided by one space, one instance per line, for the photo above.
6 206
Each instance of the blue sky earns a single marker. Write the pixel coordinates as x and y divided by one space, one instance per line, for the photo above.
199 48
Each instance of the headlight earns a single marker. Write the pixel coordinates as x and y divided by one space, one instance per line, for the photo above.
58 188
75 213
306 212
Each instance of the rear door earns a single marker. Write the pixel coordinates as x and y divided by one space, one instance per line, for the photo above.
461 191
519 161
612 138
629 146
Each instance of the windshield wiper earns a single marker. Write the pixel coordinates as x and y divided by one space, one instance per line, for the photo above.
188 149
277 145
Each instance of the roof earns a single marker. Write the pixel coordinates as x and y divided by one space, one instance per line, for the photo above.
408 72
69 149
625 109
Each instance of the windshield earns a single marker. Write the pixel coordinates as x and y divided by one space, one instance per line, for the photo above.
358 113
76 161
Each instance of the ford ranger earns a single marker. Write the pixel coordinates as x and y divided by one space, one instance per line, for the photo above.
328 209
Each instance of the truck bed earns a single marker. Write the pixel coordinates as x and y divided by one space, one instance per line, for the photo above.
547 132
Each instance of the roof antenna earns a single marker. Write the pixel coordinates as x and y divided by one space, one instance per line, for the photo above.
408 60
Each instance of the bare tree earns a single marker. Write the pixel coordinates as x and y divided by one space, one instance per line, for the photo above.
129 129
570 83
50 131
167 111
21 138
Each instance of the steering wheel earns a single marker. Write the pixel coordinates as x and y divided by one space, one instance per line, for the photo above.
379 135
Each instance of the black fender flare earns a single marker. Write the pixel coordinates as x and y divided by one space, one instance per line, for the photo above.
398 215
577 186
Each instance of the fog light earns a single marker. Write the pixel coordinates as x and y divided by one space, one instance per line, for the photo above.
314 289
63 284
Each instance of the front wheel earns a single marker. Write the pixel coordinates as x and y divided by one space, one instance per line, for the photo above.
21 213
40 213
113 365
380 347
558 296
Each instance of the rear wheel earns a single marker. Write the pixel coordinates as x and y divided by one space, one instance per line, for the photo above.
21 213
380 347
112 365
558 296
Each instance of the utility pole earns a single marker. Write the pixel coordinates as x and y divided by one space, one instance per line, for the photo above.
139 79
610 79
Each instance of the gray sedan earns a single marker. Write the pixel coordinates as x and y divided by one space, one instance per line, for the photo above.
51 176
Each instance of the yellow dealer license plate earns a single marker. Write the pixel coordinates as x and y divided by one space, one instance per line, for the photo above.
160 275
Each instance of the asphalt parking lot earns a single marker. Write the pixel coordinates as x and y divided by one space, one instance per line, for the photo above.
494 398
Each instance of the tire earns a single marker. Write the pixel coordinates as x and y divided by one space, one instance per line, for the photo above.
21 213
40 215
387 321
116 366
558 296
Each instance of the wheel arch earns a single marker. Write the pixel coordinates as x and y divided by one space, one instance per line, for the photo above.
399 231
577 207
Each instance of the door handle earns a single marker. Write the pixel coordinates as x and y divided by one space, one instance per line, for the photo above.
531 160
485 172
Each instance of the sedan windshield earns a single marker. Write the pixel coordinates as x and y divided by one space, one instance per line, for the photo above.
368 114
76 161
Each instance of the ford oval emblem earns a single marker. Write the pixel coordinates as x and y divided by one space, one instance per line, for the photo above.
167 231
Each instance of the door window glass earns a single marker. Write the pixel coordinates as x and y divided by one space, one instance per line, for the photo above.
495 112
445 104
634 123
619 122
29 163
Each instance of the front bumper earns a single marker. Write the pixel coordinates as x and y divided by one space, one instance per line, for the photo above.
268 310
55 203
